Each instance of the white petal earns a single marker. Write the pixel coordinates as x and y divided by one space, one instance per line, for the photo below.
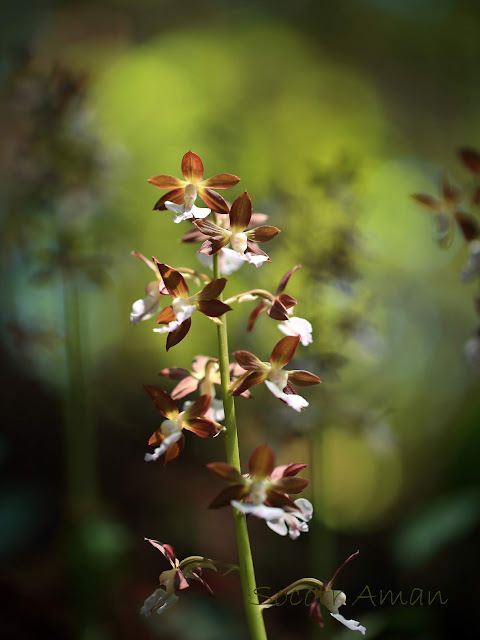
182 217
199 212
279 526
157 598
255 259
144 308
297 327
168 328
185 313
306 509
176 208
350 624
230 261
296 402
260 511
169 602
166 443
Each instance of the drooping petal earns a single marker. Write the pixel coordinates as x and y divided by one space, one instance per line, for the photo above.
315 613
149 263
192 167
226 472
193 235
233 492
278 311
221 181
353 625
174 450
213 200
261 462
295 401
285 278
250 380
213 308
240 213
287 300
201 427
174 281
213 245
278 525
259 511
166 182
256 312
249 361
176 196
163 447
281 501
295 326
212 290
179 334
166 315
262 234
302 378
162 401
167 550
284 351
198 408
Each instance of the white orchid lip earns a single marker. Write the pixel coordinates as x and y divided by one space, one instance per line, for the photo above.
239 242
145 308
169 427
258 492
190 196
295 326
279 378
182 309
293 400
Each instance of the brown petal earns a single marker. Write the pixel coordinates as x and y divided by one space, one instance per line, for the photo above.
221 181
198 408
213 308
240 213
162 400
284 351
427 201
166 182
293 469
226 472
194 235
302 378
468 225
174 450
471 159
175 373
184 388
192 167
450 193
176 195
291 485
166 315
255 249
213 200
253 378
233 492
209 228
280 500
166 549
278 311
213 245
287 301
156 438
263 234
257 311
212 290
174 281
248 361
284 281
202 427
174 337
149 263
262 462
179 581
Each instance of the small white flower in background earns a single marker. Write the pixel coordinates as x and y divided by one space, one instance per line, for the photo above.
295 326
293 523
185 213
228 261
147 307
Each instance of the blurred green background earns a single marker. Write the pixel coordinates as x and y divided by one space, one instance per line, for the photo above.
332 114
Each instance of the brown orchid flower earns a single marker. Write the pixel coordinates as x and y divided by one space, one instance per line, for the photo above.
147 307
195 235
241 238
168 439
278 381
186 191
265 491
179 577
177 316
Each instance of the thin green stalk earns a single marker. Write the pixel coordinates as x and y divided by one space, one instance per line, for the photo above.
245 561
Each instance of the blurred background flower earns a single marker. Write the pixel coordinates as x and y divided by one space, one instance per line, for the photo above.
332 114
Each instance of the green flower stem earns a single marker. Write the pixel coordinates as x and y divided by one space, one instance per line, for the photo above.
247 572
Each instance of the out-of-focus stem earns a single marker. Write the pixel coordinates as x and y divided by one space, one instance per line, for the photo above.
247 573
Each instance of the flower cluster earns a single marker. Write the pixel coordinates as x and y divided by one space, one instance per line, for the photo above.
229 237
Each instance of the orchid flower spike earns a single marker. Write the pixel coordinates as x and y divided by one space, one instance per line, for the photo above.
278 381
265 491
169 440
242 239
323 594
277 306
178 578
184 192
147 307
177 316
